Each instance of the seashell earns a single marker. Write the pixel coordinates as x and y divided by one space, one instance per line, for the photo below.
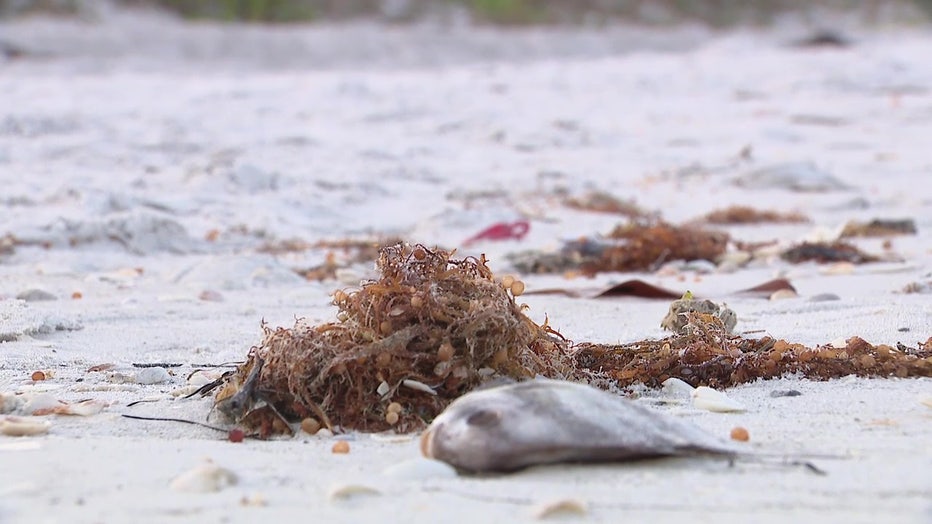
85 408
383 389
418 386
23 427
41 404
420 469
676 387
347 491
10 402
205 478
715 401
781 294
154 375
839 343
560 508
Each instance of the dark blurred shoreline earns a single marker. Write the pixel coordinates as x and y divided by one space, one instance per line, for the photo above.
586 13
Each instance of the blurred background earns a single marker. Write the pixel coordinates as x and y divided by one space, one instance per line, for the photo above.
716 13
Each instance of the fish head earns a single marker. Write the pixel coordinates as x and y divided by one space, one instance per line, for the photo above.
468 435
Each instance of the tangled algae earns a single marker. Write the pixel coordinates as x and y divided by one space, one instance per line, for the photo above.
432 327
706 354
428 330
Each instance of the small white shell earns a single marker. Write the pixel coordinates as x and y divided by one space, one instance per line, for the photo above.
676 387
149 376
85 408
711 400
10 402
383 389
418 386
560 508
23 427
783 294
206 478
346 491
420 469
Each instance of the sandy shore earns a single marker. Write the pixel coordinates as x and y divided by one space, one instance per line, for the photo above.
146 179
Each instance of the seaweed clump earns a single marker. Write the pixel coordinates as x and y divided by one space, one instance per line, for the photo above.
705 354
429 329
635 246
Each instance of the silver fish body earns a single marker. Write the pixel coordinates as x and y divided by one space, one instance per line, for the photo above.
548 421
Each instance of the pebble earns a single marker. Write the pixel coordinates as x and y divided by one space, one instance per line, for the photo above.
715 401
156 375
205 478
784 393
36 295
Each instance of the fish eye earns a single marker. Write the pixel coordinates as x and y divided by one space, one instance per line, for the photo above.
483 418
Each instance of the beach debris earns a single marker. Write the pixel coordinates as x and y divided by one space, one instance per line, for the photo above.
36 295
918 286
777 393
825 252
676 387
783 294
152 375
792 176
348 491
544 421
101 367
431 327
420 468
560 508
879 227
13 426
204 478
310 426
602 202
341 447
342 254
641 245
676 319
708 355
740 434
38 376
500 231
84 408
715 401
751 215
236 435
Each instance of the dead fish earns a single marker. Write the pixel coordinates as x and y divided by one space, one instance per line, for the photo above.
543 421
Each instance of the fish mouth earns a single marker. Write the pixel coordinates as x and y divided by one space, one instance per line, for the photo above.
427 441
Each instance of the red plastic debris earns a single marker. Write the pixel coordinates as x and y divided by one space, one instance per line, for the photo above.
501 231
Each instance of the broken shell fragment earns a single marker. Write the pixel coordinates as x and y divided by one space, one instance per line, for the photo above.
715 401
418 386
205 478
560 508
310 426
23 427
346 491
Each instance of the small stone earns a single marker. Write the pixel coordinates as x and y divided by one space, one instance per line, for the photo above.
154 375
784 393
740 434
206 478
824 297
36 295
341 447
310 426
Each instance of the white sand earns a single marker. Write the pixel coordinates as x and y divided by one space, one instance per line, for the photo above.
132 139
